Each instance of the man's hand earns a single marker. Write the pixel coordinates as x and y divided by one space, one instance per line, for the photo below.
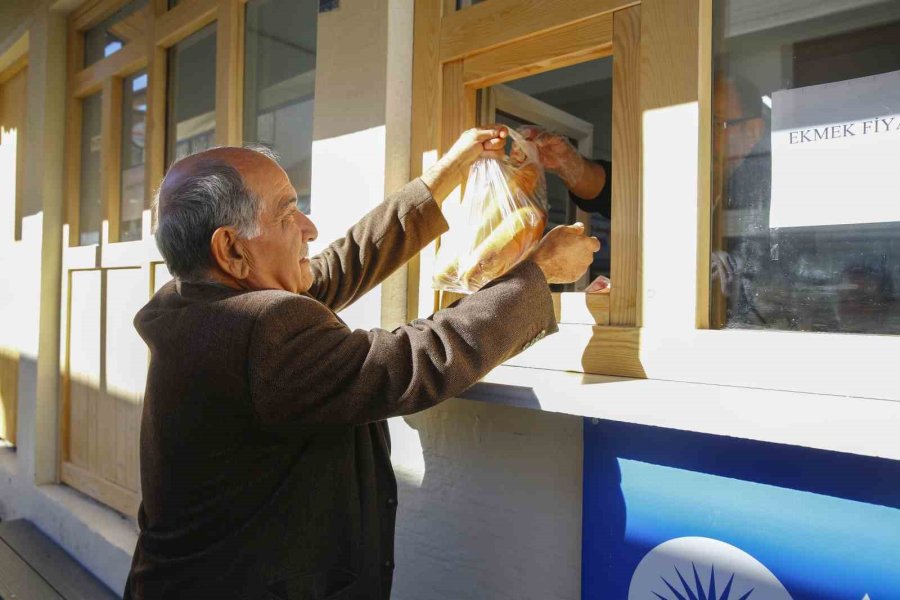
565 253
443 176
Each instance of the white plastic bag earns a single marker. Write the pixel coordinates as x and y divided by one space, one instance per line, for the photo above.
504 213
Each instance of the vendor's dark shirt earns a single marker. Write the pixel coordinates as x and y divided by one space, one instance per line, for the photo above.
602 202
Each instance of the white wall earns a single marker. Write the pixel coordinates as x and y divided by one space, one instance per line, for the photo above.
489 503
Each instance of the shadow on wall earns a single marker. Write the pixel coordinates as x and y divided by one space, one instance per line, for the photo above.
784 521
492 509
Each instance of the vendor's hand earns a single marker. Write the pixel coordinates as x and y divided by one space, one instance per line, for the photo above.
444 175
565 254
723 267
600 285
556 153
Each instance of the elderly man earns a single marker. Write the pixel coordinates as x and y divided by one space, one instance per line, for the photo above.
265 458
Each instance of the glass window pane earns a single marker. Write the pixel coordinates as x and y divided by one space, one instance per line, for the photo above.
90 213
110 35
279 84
134 119
192 95
806 129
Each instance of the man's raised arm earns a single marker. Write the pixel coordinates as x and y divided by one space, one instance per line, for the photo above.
392 233
306 367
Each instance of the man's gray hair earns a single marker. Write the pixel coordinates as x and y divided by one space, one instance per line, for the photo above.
214 196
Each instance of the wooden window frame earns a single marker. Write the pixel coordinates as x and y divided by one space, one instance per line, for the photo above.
165 28
671 339
598 334
520 105
688 349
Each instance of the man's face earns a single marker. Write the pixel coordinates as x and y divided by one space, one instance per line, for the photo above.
279 255
735 134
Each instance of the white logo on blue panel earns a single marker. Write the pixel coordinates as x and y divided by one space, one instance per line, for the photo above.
699 568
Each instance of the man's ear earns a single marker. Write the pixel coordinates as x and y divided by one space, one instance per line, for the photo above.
228 253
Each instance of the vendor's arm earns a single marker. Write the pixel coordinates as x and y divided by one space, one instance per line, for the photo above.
588 180
392 233
592 193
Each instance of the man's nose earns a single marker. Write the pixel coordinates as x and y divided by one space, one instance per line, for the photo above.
310 233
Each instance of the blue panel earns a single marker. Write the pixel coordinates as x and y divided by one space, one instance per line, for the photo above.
777 521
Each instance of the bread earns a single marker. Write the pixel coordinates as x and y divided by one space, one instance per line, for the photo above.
525 179
503 248
499 238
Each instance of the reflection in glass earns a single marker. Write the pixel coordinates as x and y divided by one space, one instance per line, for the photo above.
89 211
191 109
279 84
575 102
111 34
803 238
134 120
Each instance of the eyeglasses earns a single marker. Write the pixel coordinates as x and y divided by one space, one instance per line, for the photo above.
726 123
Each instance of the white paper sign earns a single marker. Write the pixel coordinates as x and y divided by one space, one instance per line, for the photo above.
836 153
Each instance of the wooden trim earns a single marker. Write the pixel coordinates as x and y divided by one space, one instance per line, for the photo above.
94 11
155 127
454 100
158 7
16 67
111 494
187 17
127 255
704 164
9 393
111 157
75 60
424 128
498 22
65 335
581 308
131 58
601 350
458 113
229 73
13 54
574 43
133 26
529 108
625 234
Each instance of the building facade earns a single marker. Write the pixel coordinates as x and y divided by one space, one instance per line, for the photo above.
712 419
